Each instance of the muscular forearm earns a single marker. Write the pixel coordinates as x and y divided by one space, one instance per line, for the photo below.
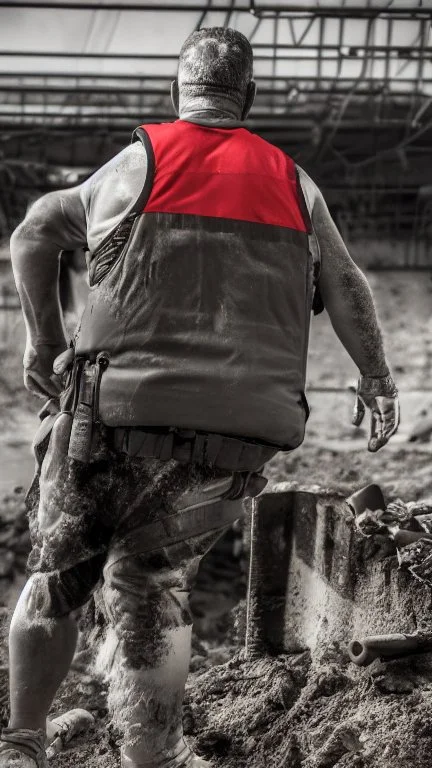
348 300
347 297
55 222
37 285
353 316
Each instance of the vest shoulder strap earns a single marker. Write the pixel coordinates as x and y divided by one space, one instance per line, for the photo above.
140 134
318 304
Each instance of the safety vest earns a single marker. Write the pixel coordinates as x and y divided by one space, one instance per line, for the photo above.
202 296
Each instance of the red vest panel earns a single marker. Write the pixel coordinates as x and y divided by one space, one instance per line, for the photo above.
230 174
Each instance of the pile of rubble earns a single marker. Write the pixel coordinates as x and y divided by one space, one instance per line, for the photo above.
400 528
318 709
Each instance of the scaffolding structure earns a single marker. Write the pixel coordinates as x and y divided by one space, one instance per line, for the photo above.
344 87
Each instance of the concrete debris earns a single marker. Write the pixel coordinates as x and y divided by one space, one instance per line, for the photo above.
423 571
398 512
418 508
370 522
395 515
407 525
414 553
279 711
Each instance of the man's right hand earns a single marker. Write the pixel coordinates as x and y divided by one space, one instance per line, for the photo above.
380 395
39 377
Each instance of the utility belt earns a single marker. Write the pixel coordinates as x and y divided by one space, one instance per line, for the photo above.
81 399
188 446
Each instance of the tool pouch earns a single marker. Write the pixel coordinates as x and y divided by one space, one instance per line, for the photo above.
85 410
82 424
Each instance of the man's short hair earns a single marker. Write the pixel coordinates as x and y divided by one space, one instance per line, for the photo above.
216 58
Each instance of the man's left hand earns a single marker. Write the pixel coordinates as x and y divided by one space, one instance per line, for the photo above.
39 377
380 395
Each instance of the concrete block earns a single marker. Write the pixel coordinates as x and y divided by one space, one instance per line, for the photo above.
312 583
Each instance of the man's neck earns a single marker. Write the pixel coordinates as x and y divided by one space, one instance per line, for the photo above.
205 110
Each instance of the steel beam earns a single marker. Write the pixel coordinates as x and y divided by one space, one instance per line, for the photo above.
289 8
337 11
257 117
144 77
402 50
152 91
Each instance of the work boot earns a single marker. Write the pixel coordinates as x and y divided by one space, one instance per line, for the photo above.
22 748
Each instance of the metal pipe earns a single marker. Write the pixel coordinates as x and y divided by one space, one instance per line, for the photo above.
364 652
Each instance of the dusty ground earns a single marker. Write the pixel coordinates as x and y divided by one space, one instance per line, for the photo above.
281 712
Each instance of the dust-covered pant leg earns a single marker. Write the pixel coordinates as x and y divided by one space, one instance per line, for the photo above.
147 602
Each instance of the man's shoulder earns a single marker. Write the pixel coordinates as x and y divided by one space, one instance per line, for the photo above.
310 190
113 190
126 169
129 158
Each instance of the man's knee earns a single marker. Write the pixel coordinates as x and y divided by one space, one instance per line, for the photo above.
143 606
57 594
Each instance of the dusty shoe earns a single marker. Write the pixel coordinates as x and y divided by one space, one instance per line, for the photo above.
63 728
184 759
199 762
22 748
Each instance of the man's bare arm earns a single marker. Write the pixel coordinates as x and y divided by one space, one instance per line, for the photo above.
55 222
346 293
66 220
348 301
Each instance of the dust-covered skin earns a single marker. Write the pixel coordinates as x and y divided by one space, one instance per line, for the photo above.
146 598
214 76
345 290
146 595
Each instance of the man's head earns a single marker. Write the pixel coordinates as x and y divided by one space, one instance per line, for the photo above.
215 64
